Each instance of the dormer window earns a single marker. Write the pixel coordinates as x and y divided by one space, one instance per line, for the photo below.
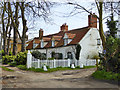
42 43
98 41
65 41
53 43
35 45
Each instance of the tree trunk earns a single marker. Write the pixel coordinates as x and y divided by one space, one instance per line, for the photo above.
15 30
8 42
24 21
101 32
3 28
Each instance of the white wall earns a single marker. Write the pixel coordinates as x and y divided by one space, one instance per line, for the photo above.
62 50
89 46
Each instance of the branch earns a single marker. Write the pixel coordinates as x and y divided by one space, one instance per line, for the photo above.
81 7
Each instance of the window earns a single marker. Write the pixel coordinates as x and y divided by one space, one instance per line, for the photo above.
42 43
98 42
69 55
65 41
57 55
35 45
53 43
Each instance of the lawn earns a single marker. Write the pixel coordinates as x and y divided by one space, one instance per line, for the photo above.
23 67
6 69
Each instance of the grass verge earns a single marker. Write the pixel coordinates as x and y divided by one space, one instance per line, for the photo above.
103 75
6 69
23 67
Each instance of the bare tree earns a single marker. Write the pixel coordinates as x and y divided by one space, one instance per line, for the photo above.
99 5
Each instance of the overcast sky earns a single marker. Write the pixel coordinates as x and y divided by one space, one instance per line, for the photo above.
57 15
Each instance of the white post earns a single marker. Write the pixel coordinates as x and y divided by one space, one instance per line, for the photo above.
38 63
68 62
54 63
72 66
29 59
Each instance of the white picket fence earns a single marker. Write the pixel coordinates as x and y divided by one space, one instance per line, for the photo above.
33 62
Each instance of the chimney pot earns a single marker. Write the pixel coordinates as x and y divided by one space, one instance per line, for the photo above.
64 27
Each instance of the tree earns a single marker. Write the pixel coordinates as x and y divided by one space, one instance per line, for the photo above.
99 5
77 54
111 24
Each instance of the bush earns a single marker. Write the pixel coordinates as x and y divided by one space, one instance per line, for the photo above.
7 59
2 52
21 58
10 53
13 64
51 58
38 55
106 75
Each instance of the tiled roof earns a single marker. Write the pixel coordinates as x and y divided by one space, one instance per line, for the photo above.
76 35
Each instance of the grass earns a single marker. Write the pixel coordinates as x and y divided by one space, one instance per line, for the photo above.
103 75
85 67
23 67
6 69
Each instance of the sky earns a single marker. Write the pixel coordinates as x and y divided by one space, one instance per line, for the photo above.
60 15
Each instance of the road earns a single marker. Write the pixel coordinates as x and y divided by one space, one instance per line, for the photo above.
60 79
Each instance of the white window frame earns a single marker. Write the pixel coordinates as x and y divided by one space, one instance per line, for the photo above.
98 41
53 43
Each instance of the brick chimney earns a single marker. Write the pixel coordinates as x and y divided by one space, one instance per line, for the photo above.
64 27
40 34
92 20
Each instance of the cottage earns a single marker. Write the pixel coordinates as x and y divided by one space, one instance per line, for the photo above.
62 45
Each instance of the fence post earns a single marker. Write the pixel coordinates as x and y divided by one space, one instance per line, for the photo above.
38 63
68 62
54 63
29 59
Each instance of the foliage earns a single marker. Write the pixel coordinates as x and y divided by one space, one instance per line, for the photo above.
57 55
7 59
77 54
6 69
106 75
12 64
2 52
10 53
111 24
39 55
21 58
111 62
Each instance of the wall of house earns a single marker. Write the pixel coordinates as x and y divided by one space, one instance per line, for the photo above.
62 50
89 46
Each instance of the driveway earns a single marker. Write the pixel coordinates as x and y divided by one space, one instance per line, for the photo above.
60 79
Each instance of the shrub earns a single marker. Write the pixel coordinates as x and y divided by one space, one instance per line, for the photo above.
51 58
21 58
10 53
7 59
13 64
2 52
106 75
38 55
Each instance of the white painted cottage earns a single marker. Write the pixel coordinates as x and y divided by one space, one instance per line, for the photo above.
65 41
